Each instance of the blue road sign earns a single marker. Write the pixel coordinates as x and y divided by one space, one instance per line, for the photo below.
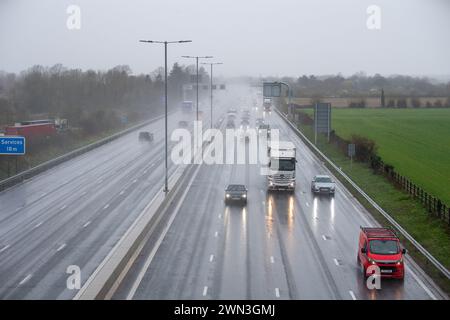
12 145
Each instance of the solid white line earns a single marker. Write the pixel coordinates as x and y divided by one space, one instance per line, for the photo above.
61 247
205 290
352 295
28 277
86 224
211 258
106 207
4 248
272 260
432 296
160 239
336 262
277 292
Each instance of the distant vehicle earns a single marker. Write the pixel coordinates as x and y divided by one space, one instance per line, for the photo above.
323 184
232 113
259 121
281 166
183 124
245 122
381 247
263 127
145 136
187 106
230 124
236 192
267 104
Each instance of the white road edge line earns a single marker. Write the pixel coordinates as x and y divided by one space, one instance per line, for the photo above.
432 296
205 290
160 239
277 292
352 295
28 277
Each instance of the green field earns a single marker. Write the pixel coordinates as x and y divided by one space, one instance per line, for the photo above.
415 141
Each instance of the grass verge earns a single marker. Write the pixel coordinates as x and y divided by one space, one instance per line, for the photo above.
431 232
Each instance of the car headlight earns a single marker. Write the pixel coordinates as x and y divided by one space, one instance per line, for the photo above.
227 195
400 262
244 196
291 184
371 261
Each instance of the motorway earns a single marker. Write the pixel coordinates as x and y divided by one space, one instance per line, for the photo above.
280 246
75 213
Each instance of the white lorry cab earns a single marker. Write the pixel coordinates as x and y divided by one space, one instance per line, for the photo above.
282 163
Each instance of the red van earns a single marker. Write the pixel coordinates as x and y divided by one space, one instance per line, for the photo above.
381 247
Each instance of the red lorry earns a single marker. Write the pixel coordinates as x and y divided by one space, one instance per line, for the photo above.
31 131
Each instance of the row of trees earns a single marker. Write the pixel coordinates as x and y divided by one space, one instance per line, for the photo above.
359 85
91 100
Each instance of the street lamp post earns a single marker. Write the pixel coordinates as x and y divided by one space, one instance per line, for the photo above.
211 64
196 59
166 184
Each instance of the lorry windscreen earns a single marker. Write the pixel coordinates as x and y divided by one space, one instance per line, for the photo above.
384 247
283 164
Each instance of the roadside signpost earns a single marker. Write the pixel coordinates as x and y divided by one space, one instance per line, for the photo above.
10 145
322 120
351 152
271 89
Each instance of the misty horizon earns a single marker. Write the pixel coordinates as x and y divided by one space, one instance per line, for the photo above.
254 39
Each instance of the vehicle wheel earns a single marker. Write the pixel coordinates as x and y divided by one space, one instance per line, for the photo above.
363 271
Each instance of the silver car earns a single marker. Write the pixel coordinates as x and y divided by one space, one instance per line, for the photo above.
323 184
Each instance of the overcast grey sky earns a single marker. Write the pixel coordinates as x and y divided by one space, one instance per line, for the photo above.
252 37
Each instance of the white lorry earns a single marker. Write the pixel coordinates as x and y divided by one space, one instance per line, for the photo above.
282 162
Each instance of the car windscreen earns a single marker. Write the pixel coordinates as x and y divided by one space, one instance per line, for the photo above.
323 179
283 164
384 247
235 187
